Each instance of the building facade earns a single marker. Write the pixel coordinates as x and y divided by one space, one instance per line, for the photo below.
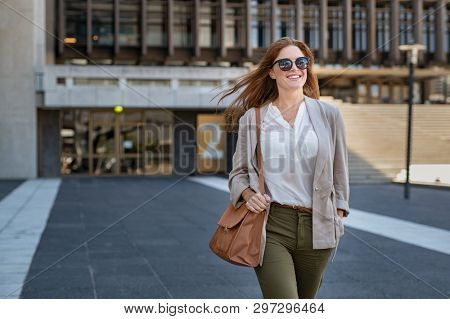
120 87
362 35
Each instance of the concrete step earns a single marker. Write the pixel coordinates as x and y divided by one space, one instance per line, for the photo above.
376 138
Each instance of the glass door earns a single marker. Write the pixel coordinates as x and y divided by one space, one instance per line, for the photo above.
211 143
157 147
131 141
102 146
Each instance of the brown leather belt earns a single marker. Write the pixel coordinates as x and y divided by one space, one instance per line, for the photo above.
298 207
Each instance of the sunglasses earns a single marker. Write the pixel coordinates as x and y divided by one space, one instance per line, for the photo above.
286 64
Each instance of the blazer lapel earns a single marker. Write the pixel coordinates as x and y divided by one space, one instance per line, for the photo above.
314 111
253 139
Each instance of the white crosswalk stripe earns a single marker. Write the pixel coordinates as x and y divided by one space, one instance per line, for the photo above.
23 217
420 235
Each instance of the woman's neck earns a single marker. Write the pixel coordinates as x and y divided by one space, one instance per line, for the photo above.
289 99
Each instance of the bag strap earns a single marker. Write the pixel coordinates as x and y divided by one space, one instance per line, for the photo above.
258 139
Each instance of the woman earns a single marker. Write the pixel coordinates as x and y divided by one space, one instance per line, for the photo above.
304 164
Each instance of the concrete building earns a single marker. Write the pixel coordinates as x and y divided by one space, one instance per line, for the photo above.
113 87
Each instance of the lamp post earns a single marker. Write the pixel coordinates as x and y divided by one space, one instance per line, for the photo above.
412 52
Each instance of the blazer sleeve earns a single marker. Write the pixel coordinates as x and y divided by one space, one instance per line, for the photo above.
238 179
340 166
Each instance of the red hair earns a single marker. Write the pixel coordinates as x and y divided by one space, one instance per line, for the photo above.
259 88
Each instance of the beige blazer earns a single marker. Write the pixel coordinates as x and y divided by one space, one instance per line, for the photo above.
331 180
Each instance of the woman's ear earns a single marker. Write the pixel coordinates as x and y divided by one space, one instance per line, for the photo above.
272 75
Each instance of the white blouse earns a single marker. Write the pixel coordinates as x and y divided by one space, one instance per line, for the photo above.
289 156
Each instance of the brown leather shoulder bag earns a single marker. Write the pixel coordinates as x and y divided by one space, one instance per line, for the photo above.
238 237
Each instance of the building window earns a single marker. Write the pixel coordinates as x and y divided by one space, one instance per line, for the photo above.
359 27
156 23
129 12
234 24
311 18
383 27
102 22
183 21
60 81
286 19
428 30
75 13
406 23
335 27
260 12
198 83
149 82
209 24
96 82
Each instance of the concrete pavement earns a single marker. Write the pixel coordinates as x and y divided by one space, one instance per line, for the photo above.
161 249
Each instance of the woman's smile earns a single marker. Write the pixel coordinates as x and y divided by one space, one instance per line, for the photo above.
294 77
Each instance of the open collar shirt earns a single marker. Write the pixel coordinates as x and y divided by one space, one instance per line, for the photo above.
289 156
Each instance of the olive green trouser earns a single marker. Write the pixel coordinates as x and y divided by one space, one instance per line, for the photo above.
291 269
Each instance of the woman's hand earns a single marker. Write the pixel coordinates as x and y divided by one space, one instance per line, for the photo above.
257 202
341 212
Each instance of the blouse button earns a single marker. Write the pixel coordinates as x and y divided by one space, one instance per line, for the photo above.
316 188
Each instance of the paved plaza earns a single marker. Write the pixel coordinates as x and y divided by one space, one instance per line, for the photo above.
147 237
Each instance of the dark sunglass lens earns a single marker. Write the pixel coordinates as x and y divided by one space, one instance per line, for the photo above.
285 65
301 63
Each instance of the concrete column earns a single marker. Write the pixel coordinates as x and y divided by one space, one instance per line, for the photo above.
61 25
89 27
418 26
299 20
323 31
222 11
368 93
18 58
49 137
441 30
170 49
116 27
39 42
143 27
348 30
248 15
391 92
196 28
371 30
273 20
394 52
